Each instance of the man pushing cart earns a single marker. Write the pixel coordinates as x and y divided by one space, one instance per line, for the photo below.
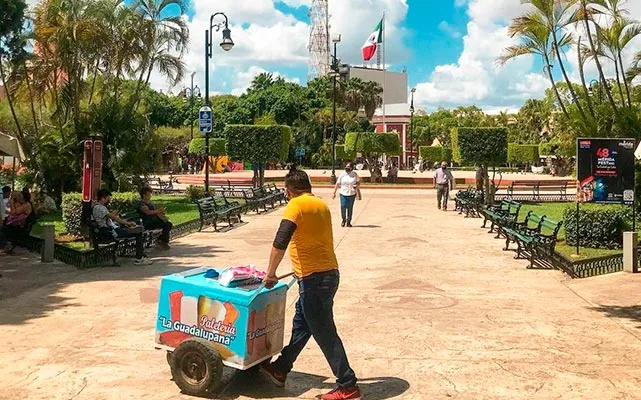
205 321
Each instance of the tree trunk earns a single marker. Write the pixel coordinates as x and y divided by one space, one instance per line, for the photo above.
10 100
619 86
586 22
575 99
33 107
625 80
93 81
585 86
554 88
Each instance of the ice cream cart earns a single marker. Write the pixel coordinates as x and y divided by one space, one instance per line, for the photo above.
204 325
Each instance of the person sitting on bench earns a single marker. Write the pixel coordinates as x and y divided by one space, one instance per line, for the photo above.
154 217
106 221
17 221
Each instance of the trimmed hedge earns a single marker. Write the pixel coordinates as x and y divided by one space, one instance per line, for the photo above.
486 146
258 143
557 149
373 143
72 208
342 154
522 153
195 193
217 146
600 226
432 154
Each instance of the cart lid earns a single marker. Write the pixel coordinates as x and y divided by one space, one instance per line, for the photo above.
237 295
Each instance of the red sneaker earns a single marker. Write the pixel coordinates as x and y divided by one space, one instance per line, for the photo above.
271 373
343 394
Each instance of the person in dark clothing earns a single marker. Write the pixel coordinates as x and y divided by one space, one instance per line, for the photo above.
106 221
154 217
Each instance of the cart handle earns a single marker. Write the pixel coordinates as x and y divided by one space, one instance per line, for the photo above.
262 285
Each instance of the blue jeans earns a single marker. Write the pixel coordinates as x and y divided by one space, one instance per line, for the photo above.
315 317
347 208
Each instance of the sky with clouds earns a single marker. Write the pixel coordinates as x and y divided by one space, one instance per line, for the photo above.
449 47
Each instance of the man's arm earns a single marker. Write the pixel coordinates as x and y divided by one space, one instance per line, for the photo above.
145 210
283 237
114 217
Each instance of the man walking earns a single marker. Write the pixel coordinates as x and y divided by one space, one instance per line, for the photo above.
307 229
443 181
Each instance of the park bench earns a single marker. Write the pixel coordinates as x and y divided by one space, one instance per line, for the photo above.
534 189
470 202
279 194
255 198
536 235
502 215
158 185
24 233
239 183
217 208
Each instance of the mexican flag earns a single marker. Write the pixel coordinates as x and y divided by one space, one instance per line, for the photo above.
371 45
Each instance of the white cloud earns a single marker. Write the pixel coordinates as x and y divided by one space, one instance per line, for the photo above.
449 29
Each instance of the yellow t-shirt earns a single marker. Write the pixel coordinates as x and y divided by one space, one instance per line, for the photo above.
312 246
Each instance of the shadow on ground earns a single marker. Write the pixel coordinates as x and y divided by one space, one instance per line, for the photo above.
23 274
251 384
632 313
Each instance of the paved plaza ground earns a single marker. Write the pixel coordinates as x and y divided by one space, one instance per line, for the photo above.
429 308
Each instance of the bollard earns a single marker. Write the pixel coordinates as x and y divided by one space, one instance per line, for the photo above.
48 233
631 252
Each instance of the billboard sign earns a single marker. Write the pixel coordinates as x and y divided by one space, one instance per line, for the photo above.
605 170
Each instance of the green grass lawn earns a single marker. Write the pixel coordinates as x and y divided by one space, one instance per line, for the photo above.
555 211
179 210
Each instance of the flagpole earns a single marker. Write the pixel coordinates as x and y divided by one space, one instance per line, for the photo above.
384 73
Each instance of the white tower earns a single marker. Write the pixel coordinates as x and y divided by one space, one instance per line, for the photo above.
319 52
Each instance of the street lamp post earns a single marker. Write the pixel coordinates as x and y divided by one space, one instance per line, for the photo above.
190 93
226 45
335 72
412 129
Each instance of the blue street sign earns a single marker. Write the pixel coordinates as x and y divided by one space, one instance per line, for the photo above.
205 119
300 152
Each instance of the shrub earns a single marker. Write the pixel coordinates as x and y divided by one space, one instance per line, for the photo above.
72 208
522 153
557 149
487 146
600 226
433 154
342 154
258 143
217 146
371 143
194 193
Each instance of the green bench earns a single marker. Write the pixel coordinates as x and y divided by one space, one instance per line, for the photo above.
279 194
502 215
536 235
469 202
218 208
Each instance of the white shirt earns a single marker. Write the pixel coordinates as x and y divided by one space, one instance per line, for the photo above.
3 210
347 183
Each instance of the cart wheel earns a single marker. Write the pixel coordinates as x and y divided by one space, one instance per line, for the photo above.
170 358
196 367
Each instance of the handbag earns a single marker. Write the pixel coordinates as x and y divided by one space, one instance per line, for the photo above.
17 220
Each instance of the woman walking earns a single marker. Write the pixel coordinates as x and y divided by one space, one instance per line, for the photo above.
349 184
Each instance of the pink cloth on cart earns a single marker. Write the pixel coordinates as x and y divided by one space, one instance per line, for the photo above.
240 273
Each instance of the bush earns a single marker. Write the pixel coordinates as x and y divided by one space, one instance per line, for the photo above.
522 153
373 143
194 193
258 143
487 146
557 149
342 154
72 208
600 226
433 154
217 147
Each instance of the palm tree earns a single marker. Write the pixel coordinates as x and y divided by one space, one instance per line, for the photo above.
554 16
352 93
162 32
535 40
371 98
586 11
262 81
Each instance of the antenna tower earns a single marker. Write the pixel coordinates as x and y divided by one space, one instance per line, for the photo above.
319 53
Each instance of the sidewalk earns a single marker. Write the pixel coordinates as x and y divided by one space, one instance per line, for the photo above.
429 308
